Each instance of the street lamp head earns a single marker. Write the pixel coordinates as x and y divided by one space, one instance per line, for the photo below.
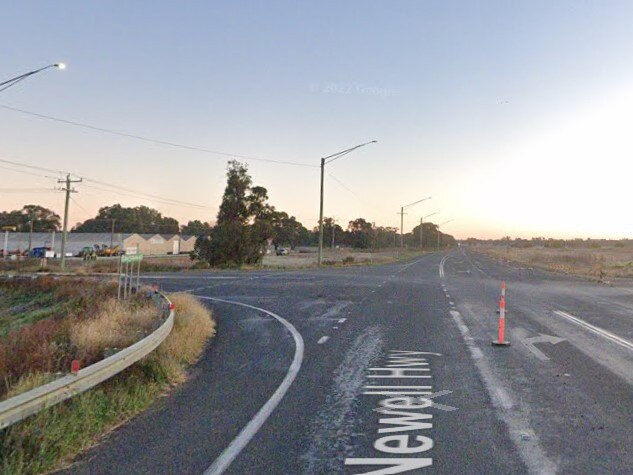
60 65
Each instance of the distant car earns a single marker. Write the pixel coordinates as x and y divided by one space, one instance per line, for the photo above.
282 251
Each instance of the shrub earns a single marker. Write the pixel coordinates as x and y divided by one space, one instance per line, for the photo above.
39 443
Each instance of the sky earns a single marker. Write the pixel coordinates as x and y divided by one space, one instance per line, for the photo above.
514 117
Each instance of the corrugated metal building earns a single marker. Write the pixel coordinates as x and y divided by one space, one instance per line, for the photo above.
148 244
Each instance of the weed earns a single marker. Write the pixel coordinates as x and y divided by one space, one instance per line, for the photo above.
51 438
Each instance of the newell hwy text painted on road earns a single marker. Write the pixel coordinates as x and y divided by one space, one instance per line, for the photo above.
403 418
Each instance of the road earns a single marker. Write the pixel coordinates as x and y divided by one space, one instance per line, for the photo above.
390 369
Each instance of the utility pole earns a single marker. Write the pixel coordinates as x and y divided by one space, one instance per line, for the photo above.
320 254
31 232
402 213
112 234
68 182
333 228
421 227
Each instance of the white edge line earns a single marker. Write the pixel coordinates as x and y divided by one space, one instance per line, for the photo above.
229 454
598 331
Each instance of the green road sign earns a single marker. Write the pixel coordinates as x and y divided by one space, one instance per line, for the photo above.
125 258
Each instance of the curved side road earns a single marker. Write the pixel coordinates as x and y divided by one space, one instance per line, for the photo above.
235 447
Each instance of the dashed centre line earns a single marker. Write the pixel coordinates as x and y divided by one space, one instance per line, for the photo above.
323 339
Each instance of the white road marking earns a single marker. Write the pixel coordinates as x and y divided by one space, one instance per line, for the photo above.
532 454
529 343
451 303
248 432
399 387
442 275
598 331
342 320
323 339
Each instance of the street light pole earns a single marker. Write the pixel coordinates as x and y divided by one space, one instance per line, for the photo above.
324 160
13 81
320 255
402 208
401 227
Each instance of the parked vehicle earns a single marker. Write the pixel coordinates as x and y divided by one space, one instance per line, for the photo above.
39 252
282 251
88 253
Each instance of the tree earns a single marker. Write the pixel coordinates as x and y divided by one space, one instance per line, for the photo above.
286 230
385 237
429 237
361 233
140 219
243 222
44 219
196 228
330 227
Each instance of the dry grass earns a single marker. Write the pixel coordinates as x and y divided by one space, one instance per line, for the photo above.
193 326
30 381
597 263
50 439
116 325
338 257
181 262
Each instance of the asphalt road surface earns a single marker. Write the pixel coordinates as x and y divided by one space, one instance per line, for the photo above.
390 369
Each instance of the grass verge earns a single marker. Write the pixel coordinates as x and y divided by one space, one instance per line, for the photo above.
50 439
600 264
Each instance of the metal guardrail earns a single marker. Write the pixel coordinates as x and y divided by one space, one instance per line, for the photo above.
33 401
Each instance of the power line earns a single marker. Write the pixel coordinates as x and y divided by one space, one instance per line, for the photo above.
80 207
151 140
155 197
158 198
343 185
161 201
32 167
27 190
358 197
27 173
